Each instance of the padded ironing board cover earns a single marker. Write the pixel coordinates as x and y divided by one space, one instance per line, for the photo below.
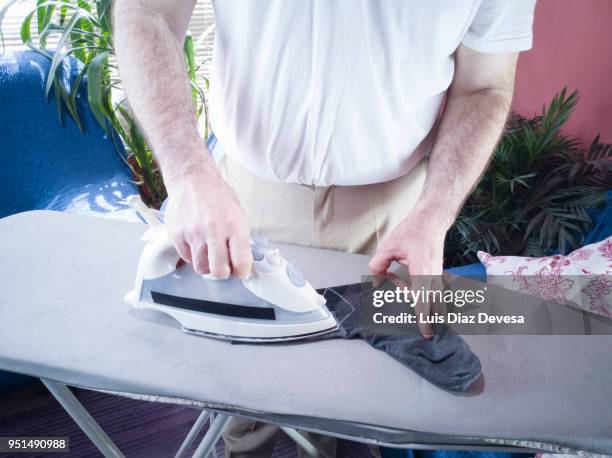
62 316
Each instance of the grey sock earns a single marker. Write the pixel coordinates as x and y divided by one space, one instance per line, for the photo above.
446 361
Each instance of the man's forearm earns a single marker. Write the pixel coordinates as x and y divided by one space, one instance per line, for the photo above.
153 71
469 129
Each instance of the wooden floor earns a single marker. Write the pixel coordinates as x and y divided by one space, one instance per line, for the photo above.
139 428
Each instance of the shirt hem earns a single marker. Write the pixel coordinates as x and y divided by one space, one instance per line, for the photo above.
498 46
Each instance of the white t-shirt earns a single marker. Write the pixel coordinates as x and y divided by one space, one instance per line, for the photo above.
342 92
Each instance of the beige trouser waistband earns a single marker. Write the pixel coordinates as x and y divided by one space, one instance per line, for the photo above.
354 219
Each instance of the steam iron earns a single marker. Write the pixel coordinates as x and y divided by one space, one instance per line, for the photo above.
275 304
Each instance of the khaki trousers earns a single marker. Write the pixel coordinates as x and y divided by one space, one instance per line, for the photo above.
354 219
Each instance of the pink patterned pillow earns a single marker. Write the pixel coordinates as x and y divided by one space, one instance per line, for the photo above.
583 277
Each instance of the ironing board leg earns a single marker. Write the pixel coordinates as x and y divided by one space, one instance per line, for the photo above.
193 432
212 435
82 418
301 441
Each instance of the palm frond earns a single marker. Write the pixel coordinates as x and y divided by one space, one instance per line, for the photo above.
535 198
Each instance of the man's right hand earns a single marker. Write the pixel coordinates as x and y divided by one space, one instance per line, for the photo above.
207 224
204 218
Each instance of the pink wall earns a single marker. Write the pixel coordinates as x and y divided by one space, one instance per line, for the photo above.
573 48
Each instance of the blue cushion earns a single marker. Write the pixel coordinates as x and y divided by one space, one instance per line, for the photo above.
603 223
476 271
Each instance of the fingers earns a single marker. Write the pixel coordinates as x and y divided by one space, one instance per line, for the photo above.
200 261
381 261
438 307
423 307
183 250
219 259
423 262
241 257
211 234
222 259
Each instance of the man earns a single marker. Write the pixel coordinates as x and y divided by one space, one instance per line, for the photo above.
356 125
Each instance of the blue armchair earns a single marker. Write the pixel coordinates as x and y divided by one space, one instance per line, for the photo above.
45 166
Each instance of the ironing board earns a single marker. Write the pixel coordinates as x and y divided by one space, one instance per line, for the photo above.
63 319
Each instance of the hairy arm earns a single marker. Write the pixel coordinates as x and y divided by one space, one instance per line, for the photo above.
149 38
204 218
476 109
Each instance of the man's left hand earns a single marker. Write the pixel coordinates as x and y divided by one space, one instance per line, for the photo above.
417 243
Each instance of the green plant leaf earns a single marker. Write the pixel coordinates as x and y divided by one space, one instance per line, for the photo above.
58 57
44 14
26 33
63 12
95 88
70 105
189 56
76 85
58 102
